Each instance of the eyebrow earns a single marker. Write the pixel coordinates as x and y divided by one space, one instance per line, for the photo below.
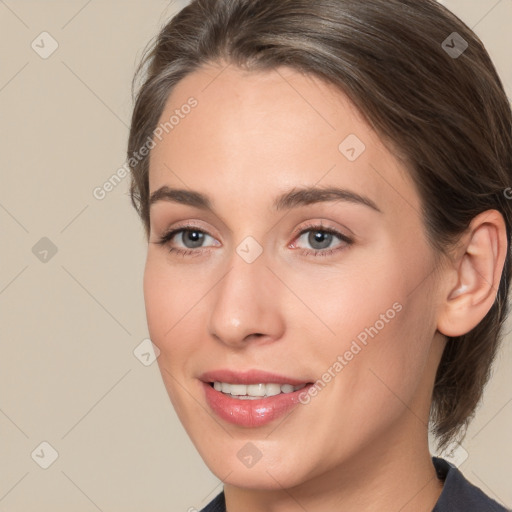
292 199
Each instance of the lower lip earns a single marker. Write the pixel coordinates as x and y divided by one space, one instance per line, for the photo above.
251 413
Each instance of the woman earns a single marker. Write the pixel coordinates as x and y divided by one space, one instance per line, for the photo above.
323 189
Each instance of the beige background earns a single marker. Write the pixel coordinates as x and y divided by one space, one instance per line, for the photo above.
70 324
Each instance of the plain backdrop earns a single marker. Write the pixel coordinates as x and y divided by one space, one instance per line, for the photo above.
71 304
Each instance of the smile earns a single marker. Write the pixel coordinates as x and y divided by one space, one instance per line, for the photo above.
254 391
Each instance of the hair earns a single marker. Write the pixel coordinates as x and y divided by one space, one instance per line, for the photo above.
447 116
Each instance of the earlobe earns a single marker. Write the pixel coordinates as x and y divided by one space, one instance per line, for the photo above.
478 271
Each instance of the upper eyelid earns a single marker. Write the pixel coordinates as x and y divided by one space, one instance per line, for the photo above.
343 238
171 233
188 226
318 227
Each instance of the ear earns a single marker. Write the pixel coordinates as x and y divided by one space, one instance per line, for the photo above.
476 269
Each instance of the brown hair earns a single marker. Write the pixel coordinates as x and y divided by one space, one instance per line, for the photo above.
447 115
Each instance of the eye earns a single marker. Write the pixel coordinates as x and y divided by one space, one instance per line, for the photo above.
190 240
190 237
320 239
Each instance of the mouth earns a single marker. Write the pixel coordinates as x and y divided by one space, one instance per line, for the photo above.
253 398
254 391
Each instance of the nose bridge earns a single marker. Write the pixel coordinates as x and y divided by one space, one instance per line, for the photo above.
245 300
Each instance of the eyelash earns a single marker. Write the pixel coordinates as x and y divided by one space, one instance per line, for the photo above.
167 237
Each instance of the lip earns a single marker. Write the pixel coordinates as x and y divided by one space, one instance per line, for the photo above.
249 377
250 413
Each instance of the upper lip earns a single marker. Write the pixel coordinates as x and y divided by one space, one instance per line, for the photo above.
252 376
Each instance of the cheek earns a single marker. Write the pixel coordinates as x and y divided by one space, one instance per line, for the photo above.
173 303
173 312
346 303
380 328
159 302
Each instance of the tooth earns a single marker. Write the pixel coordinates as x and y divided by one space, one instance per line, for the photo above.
272 389
256 389
253 391
238 389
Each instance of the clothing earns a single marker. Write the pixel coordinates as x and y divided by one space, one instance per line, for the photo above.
458 495
217 505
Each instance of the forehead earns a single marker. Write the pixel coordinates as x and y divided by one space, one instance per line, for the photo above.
262 132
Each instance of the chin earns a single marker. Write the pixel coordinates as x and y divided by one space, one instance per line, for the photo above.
240 463
259 477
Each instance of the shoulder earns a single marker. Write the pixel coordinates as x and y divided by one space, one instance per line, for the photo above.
458 494
218 504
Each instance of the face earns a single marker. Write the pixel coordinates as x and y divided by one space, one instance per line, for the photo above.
287 255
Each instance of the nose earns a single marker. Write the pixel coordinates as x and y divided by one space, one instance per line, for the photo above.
246 304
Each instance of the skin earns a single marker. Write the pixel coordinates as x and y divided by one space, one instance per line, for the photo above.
361 443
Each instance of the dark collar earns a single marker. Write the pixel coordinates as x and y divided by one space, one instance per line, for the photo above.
458 494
